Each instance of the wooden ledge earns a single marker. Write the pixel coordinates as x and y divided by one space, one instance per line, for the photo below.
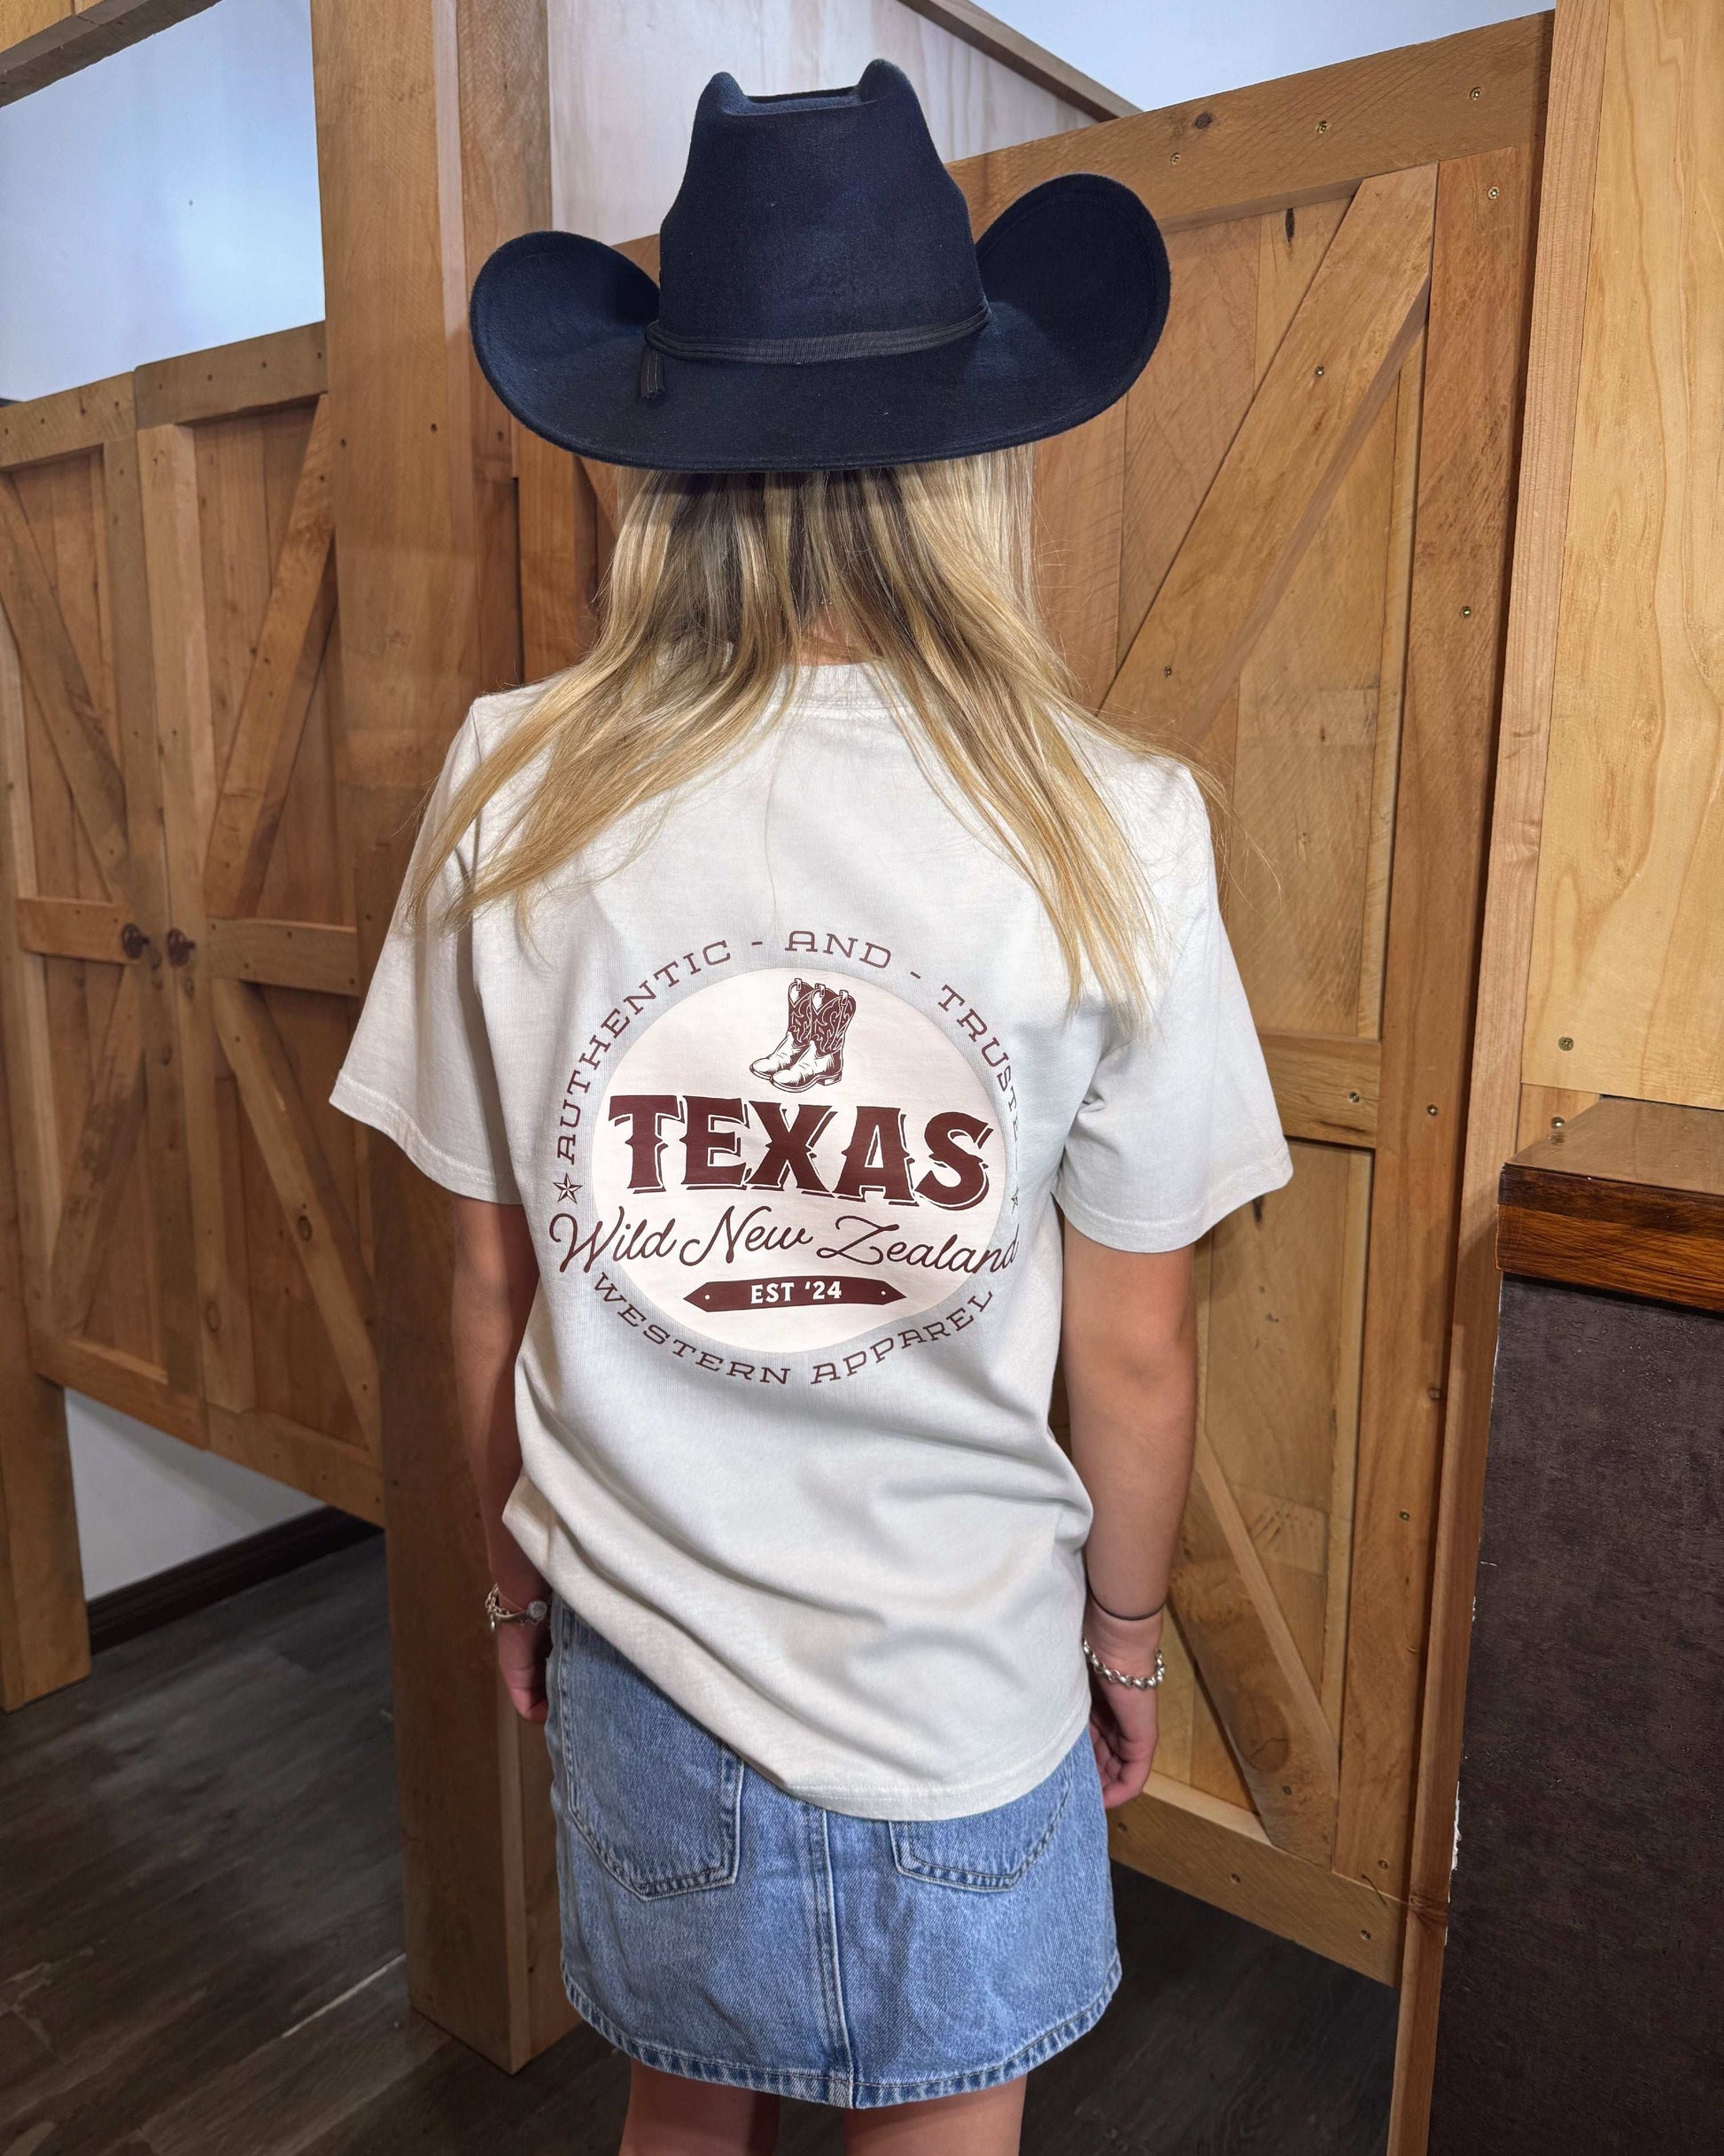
1630 1196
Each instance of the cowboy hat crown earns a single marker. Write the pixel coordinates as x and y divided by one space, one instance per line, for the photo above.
821 303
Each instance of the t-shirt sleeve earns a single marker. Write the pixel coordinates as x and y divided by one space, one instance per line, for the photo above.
420 1066
1179 1125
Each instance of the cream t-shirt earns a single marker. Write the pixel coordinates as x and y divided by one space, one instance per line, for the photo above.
790 1098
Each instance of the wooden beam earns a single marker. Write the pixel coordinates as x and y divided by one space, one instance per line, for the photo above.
180 1315
433 118
324 1236
99 1180
34 1096
1340 357
255 375
973 26
44 41
1218 1852
126 1381
174 547
1648 1176
1231 1620
303 1458
279 690
559 527
71 928
285 954
1553 373
40 429
55 676
1464 521
1301 137
44 1641
1326 1085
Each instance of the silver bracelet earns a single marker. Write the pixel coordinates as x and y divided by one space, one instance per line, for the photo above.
1119 1677
501 1611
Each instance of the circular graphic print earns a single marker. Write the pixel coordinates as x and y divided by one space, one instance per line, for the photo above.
786 1160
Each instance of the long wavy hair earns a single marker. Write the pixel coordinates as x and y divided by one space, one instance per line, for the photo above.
717 586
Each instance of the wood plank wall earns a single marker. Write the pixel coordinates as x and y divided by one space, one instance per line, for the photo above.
1628 935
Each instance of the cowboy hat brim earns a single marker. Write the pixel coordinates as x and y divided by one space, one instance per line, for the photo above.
1076 279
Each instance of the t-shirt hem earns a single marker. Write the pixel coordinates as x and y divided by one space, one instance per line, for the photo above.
1253 1178
541 1538
356 1099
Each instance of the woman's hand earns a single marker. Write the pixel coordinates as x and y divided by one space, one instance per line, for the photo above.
1124 1722
523 1651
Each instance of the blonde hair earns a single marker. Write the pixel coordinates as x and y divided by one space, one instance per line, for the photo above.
717 583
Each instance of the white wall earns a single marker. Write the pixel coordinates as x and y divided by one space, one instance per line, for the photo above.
164 200
626 76
1159 53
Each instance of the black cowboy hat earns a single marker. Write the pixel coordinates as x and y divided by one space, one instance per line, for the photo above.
822 305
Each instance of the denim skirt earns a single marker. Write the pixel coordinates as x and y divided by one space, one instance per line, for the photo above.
715 1928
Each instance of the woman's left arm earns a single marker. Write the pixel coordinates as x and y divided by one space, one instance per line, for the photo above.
496 1276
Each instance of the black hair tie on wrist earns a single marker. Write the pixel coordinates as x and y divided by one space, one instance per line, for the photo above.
1115 1613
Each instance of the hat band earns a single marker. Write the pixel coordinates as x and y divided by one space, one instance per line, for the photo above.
812 351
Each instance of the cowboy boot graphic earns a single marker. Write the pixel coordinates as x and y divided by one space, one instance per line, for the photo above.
799 1019
823 1064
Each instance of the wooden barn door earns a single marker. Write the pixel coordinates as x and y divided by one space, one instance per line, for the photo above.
178 954
235 450
98 1122
1284 554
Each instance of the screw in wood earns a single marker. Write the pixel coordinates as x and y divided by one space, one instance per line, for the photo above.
1322 126
1567 1042
1493 192
1473 94
1466 614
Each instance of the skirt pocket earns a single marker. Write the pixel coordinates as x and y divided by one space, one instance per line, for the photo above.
986 1851
657 1798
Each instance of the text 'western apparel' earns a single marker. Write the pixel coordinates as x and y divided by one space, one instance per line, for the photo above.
790 1096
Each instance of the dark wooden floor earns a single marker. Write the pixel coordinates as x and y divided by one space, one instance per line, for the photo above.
200 1943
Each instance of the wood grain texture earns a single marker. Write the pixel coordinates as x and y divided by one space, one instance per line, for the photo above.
1315 405
37 1175
1565 191
56 674
1233 1624
407 95
44 40
1303 136
256 374
1463 517
1628 932
44 1643
71 419
165 1173
288 1451
1080 484
328 1244
1326 1085
180 643
278 691
1628 1196
285 954
1220 1854
112 1116
123 1381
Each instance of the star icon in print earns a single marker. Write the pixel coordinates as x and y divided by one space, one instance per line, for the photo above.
566 1190
812 1051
